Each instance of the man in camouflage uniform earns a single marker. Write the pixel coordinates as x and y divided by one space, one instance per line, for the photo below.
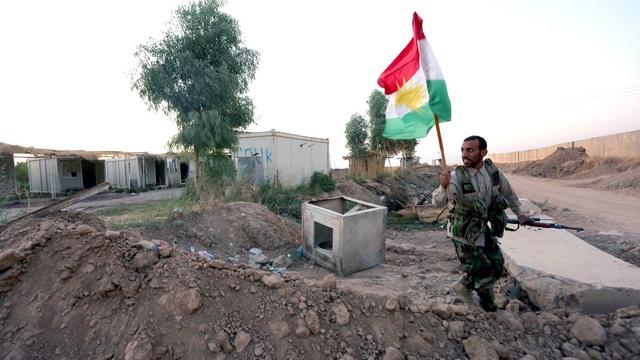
477 194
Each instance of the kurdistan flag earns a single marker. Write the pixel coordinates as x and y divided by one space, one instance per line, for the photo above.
416 89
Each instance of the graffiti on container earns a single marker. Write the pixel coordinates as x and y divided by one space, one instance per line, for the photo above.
265 153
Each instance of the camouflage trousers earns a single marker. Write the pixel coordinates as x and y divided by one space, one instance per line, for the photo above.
483 265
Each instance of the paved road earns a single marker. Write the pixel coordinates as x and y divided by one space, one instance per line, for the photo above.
610 209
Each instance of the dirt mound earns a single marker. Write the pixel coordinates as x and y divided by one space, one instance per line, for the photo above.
80 292
626 180
597 166
402 189
610 173
563 155
395 190
350 188
253 225
563 162
228 230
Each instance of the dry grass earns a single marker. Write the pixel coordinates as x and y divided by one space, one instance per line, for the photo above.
142 215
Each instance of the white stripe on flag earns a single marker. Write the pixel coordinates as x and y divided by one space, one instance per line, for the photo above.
428 61
396 110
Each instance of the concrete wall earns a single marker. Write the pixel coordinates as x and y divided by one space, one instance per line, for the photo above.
250 169
138 171
116 173
70 171
54 175
297 159
58 175
290 159
264 147
43 175
149 171
8 183
134 167
124 173
173 171
625 144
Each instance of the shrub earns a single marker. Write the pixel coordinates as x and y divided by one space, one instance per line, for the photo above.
216 169
321 182
22 175
190 193
280 199
382 175
360 179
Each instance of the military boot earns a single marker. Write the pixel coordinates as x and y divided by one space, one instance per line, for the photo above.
487 300
462 289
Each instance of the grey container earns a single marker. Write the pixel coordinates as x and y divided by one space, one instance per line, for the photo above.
343 235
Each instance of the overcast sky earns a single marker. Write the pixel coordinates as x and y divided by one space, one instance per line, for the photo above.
521 73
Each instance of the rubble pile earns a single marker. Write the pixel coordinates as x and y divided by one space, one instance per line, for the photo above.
71 289
563 162
608 173
228 230
397 190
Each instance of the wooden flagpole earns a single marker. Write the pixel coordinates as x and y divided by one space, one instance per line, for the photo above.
443 161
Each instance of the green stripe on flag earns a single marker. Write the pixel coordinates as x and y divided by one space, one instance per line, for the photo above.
439 99
413 125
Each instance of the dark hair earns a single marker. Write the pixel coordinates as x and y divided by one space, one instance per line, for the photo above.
481 140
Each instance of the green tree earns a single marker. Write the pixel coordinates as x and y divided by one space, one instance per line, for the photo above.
377 108
409 148
356 133
198 73
377 117
22 174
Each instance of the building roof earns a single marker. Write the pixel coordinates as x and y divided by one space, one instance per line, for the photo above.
84 154
247 134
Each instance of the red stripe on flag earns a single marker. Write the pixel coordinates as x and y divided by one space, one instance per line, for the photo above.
406 64
401 69
418 34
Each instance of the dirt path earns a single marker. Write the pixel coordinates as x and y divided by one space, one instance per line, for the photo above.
109 199
612 211
91 204
608 217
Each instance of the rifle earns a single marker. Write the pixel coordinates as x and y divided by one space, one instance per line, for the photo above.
536 222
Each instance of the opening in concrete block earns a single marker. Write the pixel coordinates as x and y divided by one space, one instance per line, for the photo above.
341 205
322 237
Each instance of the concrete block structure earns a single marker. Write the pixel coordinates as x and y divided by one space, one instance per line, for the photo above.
64 174
178 170
343 235
61 171
136 172
287 158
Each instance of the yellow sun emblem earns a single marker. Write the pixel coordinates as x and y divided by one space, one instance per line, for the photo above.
411 95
